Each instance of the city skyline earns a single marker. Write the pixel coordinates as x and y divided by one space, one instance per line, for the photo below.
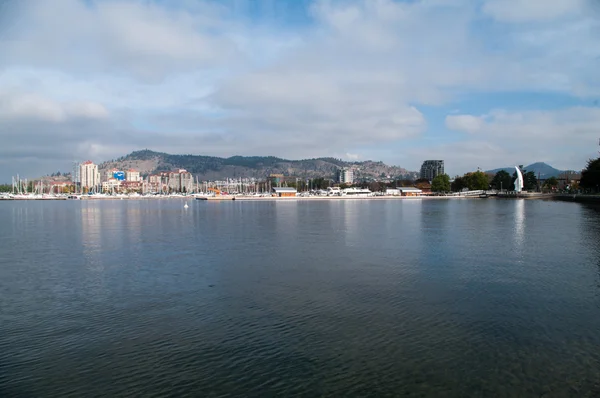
343 172
494 83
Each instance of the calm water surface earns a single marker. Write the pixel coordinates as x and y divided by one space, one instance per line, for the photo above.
434 298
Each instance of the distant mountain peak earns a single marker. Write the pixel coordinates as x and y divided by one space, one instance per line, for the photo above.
541 169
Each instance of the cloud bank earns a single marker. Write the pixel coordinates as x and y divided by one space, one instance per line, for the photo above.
377 79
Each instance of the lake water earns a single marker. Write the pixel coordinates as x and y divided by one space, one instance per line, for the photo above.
478 298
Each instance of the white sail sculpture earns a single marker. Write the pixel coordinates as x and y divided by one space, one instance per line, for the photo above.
519 180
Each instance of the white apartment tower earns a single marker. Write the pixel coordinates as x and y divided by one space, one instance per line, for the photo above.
133 175
346 175
89 177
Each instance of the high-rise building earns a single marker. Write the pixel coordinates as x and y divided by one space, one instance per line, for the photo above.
89 177
75 173
431 169
346 175
133 176
181 181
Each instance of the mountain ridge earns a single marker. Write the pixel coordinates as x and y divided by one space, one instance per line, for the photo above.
540 169
213 168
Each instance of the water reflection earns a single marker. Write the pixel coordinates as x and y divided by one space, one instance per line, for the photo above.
350 219
519 225
265 299
591 235
91 238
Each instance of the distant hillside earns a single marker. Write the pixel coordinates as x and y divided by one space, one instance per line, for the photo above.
540 169
214 168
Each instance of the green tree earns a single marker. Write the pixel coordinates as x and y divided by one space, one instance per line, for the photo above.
477 180
320 183
551 182
530 182
590 176
405 183
502 180
441 183
459 184
376 186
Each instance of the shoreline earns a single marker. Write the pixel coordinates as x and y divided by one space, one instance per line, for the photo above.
244 198
579 198
274 198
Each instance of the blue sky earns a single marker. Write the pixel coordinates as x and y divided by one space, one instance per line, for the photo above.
485 83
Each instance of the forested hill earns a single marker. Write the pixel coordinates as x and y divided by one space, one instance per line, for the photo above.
213 168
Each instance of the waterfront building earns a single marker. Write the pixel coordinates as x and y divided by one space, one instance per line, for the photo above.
180 181
133 176
345 175
132 186
431 169
568 179
89 177
356 192
276 180
114 174
283 192
112 185
410 191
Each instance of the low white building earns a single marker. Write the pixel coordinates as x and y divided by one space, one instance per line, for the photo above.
111 185
356 192
334 191
393 192
410 191
284 192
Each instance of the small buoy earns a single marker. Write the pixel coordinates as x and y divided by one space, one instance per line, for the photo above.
185 206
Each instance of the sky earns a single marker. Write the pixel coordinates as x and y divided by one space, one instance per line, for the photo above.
478 83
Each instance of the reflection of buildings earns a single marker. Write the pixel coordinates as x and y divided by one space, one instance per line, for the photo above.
350 216
519 233
431 169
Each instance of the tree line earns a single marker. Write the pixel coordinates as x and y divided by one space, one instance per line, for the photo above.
590 176
480 181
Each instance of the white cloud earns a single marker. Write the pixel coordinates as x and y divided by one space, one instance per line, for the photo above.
25 106
143 39
359 77
505 138
467 123
532 10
